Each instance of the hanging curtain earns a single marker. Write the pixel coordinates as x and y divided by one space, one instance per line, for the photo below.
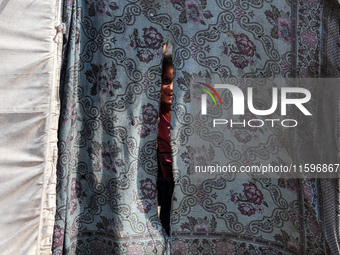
258 214
107 166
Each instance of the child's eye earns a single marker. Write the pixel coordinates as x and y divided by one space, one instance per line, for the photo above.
166 81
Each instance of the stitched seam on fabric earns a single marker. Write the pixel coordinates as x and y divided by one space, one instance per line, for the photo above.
50 166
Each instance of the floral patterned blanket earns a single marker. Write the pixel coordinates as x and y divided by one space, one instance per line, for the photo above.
107 167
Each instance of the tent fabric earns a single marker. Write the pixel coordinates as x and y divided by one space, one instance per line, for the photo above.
29 113
106 191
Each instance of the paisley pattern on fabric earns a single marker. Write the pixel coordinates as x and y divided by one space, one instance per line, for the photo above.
110 92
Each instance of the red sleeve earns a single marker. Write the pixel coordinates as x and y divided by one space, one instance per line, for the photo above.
164 148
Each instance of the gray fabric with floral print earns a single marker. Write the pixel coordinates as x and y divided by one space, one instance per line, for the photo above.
107 202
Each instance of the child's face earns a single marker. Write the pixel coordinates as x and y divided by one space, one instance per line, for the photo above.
166 91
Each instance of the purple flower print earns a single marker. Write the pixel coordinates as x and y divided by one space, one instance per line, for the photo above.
259 209
309 38
58 236
292 213
281 24
102 77
243 54
104 156
148 189
285 67
234 198
284 30
152 39
293 246
154 128
242 136
252 193
119 162
150 114
201 228
143 131
101 6
107 161
246 209
77 39
307 191
194 13
135 121
252 61
73 208
76 188
224 248
158 53
145 56
200 159
185 157
227 50
291 184
313 226
144 206
239 61
245 46
148 48
133 44
69 114
104 83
